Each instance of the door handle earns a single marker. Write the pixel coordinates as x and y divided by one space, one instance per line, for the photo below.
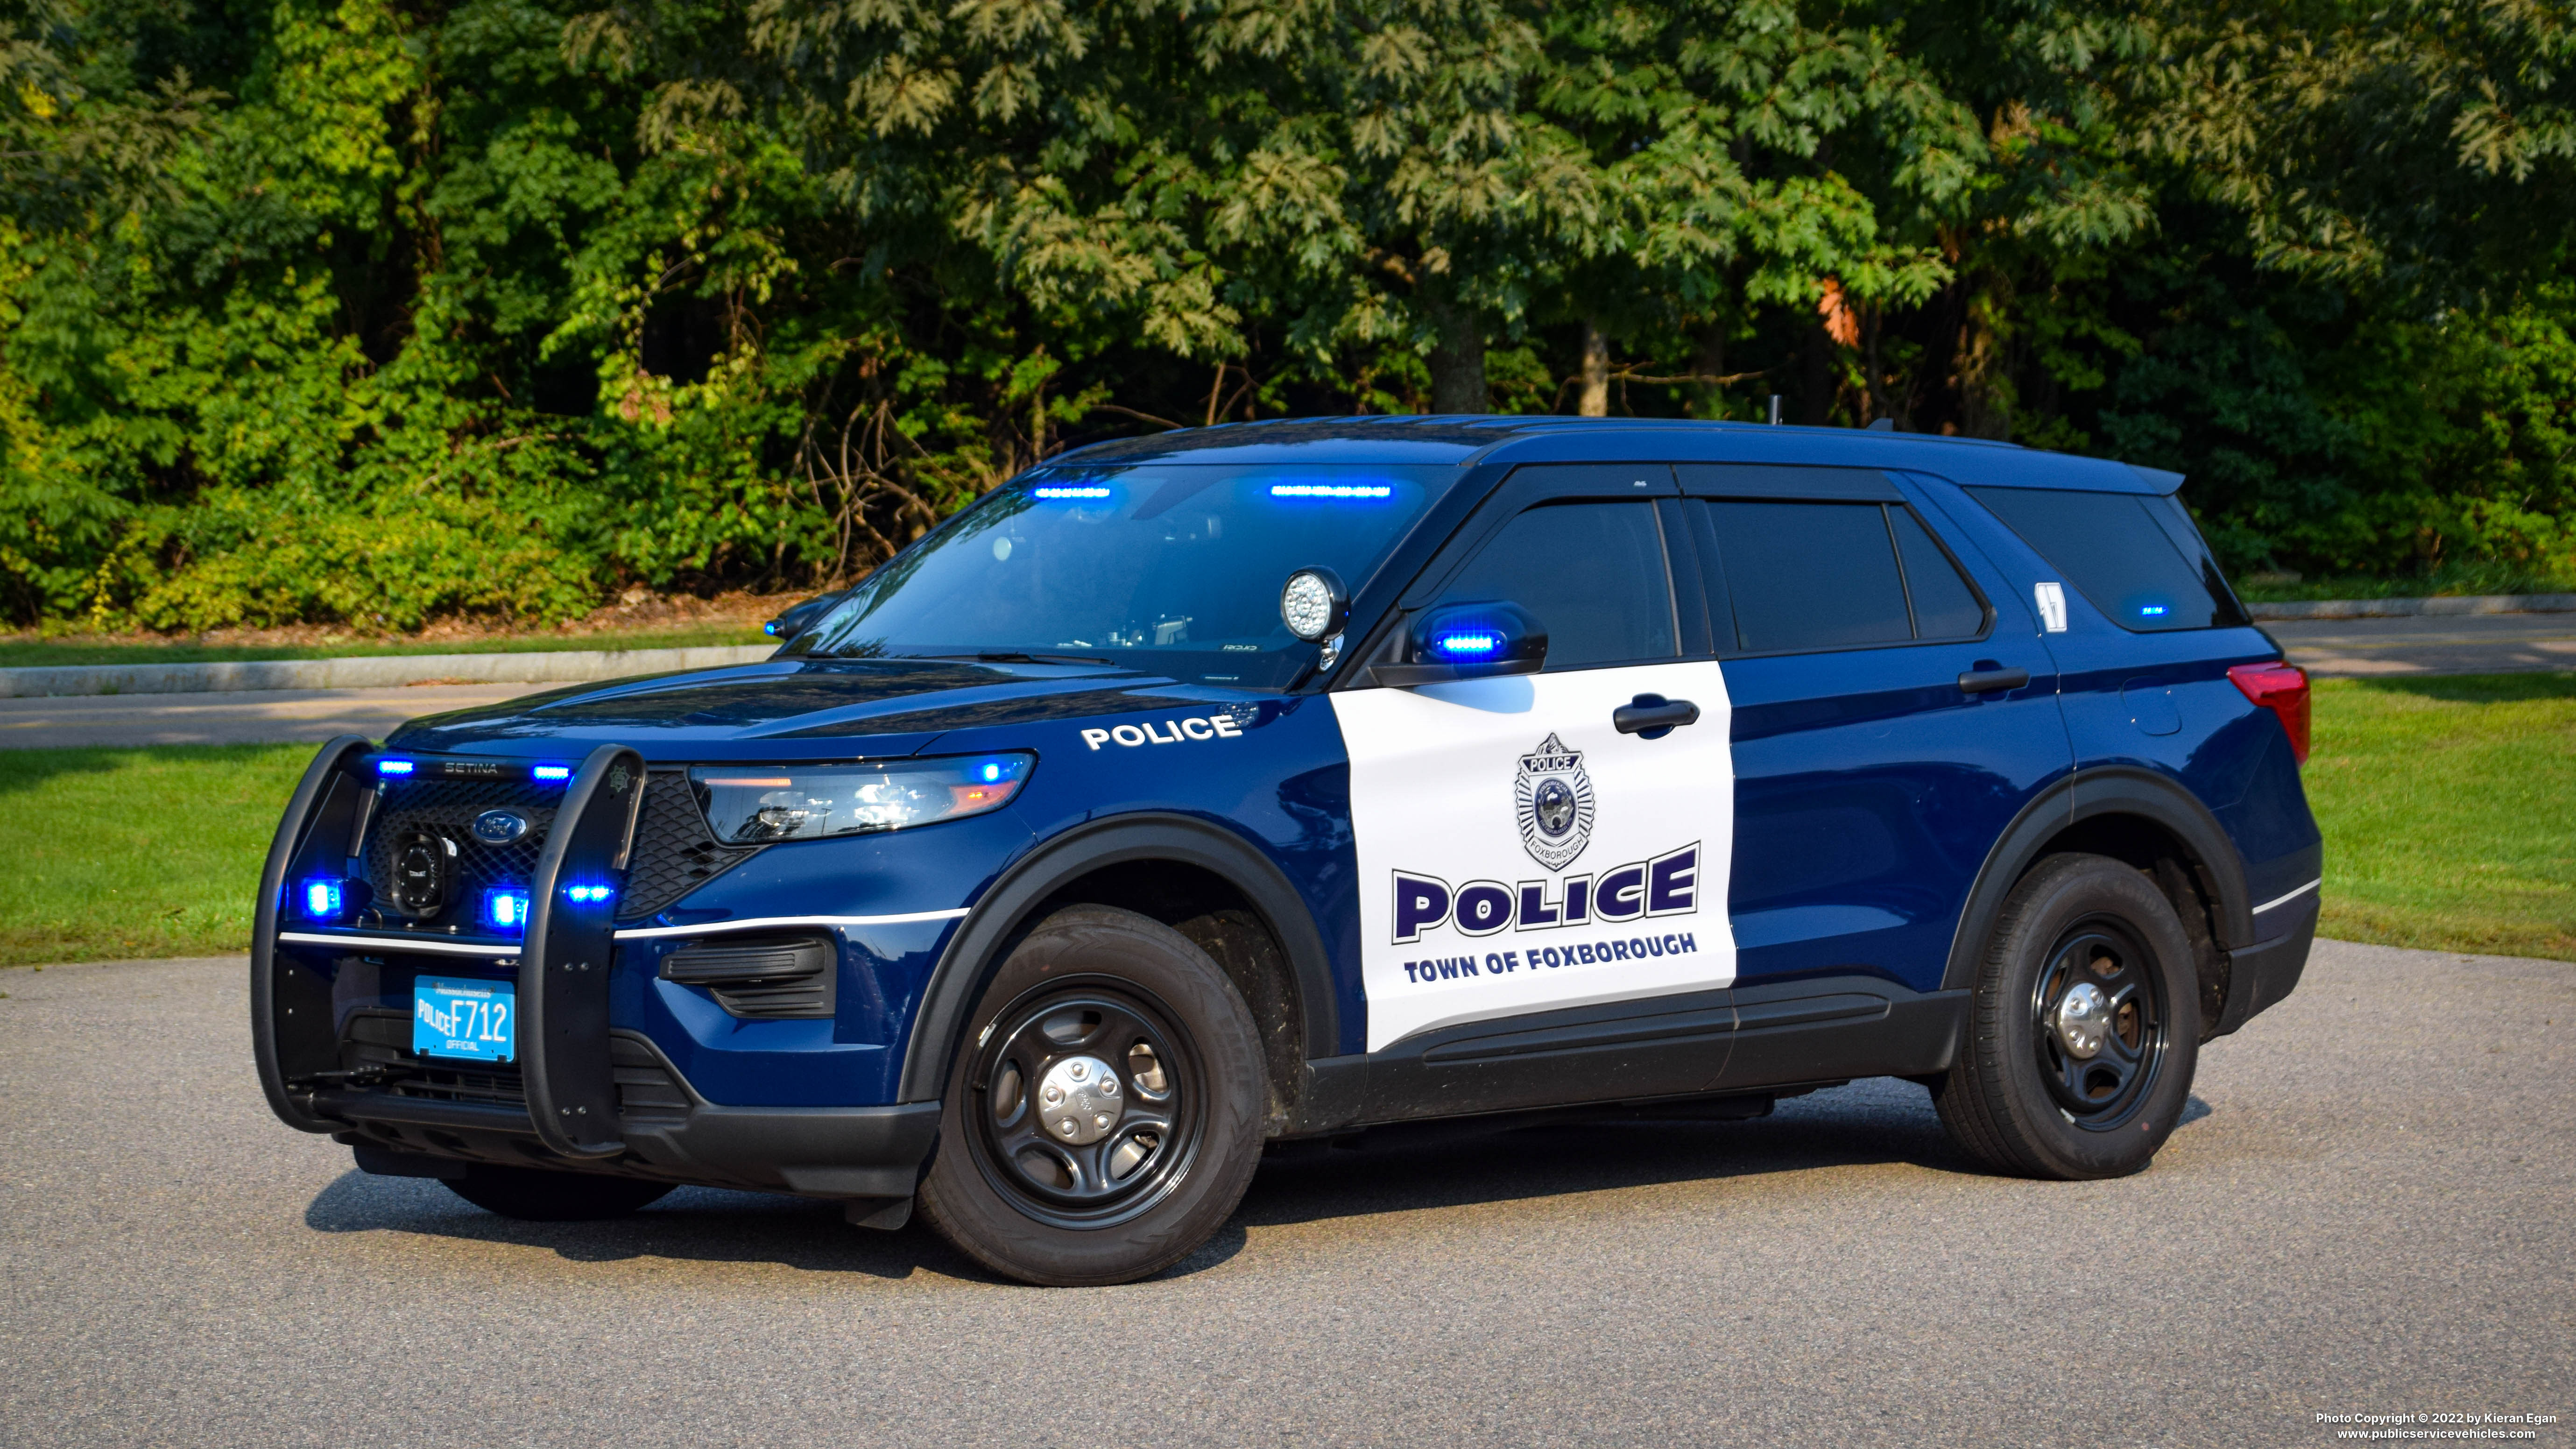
1651 716
1986 681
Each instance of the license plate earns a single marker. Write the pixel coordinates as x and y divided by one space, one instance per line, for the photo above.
475 1020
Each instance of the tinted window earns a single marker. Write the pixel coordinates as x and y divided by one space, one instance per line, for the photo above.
1944 606
2138 559
1592 574
1810 575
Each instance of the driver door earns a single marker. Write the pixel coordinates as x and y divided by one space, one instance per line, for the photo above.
1519 853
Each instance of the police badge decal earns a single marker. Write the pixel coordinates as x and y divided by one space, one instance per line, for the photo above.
1554 797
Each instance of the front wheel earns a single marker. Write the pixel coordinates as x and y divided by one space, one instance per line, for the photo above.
1104 1116
2084 1030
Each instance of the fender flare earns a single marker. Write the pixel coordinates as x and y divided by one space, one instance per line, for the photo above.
976 949
2088 794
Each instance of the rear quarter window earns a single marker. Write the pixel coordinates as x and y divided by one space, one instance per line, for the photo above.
2138 560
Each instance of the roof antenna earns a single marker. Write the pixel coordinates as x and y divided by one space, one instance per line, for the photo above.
1775 409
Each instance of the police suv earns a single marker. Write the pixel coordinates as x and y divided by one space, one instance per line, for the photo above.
1280 781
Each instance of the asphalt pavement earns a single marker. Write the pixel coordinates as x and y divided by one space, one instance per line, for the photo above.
233 717
2463 644
2367 1210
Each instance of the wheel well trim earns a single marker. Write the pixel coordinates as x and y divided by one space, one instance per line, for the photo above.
2088 795
975 948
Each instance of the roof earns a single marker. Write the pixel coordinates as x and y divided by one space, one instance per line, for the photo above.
1468 439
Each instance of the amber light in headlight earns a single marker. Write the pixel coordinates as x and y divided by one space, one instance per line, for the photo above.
805 802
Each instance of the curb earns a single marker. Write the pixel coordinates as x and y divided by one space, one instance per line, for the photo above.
2413 608
570 666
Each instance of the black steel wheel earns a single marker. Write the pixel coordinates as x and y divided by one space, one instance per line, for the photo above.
2084 1029
1088 1104
1105 1114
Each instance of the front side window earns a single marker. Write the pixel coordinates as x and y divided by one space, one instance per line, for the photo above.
2139 560
1173 569
1593 576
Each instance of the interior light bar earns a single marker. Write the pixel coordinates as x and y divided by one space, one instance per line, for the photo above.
1331 490
1064 492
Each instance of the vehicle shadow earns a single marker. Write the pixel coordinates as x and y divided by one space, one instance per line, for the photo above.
1880 1123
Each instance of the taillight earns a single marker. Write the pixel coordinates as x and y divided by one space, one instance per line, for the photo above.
2282 689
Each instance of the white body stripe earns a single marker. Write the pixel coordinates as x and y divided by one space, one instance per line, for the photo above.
1436 794
399 943
2285 900
763 923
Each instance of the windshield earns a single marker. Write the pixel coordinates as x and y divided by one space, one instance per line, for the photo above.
1174 569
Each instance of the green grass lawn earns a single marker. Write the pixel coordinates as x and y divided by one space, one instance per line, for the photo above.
2449 807
76 650
2449 811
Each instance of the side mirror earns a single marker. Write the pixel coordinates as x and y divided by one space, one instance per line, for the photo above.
1467 641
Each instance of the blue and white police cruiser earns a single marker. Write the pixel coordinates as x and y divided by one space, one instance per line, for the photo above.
1282 781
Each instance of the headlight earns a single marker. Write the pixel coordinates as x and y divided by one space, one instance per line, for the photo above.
752 804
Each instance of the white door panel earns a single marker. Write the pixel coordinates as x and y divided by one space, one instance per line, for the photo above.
1517 853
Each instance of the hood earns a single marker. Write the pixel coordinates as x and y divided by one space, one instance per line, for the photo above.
795 709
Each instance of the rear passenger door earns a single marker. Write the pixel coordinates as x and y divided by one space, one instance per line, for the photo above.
1887 724
1518 853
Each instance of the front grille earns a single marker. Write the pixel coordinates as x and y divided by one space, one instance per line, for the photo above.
674 852
375 1049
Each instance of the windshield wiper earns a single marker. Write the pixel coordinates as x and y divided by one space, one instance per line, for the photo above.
1005 656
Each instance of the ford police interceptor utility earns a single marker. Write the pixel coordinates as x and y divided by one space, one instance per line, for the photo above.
1281 781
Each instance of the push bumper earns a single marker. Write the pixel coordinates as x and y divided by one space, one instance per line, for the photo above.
595 1099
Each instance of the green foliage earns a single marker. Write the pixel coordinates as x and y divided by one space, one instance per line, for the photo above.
342 311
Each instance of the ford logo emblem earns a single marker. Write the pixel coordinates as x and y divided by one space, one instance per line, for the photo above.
499 827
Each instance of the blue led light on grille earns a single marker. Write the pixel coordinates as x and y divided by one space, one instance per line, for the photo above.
322 899
505 910
393 767
555 774
1478 643
588 893
1331 490
1066 492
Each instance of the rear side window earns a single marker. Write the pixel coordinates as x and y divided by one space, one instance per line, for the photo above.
1591 573
2139 560
1837 575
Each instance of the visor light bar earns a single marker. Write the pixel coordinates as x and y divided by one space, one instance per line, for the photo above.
1062 492
1331 490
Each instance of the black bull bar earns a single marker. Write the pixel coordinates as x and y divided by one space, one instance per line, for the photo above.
563 1031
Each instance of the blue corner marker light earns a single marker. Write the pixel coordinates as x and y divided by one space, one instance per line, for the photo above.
1069 492
585 894
505 910
322 899
1466 644
1331 490
394 767
551 774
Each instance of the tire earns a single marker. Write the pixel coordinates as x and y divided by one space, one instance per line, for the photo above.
2056 1083
1049 1173
539 1196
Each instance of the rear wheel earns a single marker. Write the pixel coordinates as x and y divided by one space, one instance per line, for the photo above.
553 1197
2085 1027
1104 1117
